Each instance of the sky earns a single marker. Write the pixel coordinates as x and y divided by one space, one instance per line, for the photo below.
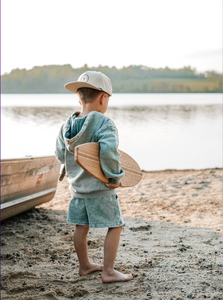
154 33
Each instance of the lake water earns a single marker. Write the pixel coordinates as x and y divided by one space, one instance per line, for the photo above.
160 131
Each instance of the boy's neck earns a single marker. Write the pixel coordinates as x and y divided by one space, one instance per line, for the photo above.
87 109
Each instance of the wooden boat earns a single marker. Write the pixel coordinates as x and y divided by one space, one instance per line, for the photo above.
27 182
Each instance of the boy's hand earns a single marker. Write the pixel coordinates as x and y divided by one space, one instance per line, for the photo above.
113 186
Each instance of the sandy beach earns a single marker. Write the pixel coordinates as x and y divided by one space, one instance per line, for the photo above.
172 242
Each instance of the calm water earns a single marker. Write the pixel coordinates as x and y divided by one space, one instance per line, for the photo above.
161 131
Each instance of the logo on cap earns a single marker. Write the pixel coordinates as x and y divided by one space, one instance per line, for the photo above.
84 78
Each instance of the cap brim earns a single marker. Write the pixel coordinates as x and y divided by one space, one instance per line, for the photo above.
75 85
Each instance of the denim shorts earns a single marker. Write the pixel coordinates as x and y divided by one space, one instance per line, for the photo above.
96 212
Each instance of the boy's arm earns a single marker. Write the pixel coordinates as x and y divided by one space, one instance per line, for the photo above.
60 147
109 155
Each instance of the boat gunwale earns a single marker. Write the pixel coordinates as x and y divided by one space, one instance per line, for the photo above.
26 158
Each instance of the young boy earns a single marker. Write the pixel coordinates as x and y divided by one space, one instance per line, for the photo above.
94 204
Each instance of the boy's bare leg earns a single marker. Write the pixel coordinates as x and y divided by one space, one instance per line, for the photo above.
80 245
110 251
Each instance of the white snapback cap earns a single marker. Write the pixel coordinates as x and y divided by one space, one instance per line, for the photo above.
91 79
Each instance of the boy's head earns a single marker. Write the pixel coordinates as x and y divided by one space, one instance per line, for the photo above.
94 89
92 80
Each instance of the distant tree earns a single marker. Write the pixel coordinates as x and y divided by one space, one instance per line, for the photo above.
130 79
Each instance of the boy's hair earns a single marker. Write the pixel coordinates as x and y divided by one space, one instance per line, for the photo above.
87 94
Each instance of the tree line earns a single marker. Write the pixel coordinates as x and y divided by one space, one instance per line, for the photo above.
131 79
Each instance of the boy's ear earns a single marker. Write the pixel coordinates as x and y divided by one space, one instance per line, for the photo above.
102 98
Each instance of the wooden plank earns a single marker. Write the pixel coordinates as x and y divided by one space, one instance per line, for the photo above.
25 164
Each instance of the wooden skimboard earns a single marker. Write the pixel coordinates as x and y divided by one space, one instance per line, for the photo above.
87 157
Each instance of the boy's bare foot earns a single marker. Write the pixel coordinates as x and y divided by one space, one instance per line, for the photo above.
115 276
90 269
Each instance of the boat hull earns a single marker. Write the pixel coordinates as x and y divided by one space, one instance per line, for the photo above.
27 182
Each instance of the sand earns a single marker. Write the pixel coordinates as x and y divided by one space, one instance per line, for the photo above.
172 243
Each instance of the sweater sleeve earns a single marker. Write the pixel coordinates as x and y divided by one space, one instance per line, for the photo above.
60 147
109 155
